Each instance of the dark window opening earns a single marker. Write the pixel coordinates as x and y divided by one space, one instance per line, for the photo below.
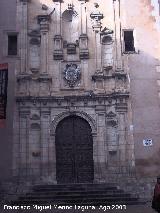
129 41
12 44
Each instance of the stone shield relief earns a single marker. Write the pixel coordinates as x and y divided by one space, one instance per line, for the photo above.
72 74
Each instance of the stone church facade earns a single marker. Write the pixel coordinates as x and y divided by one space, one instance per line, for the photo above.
76 114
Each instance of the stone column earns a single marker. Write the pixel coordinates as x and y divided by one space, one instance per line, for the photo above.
43 20
22 25
117 30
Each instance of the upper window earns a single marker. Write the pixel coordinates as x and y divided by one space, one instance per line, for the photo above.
128 41
12 44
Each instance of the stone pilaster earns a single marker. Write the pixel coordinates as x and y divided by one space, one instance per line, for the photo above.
96 17
23 143
22 25
58 17
45 120
43 20
52 157
117 30
122 139
101 155
34 144
83 18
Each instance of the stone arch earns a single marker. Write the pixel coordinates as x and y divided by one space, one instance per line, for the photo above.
53 126
81 114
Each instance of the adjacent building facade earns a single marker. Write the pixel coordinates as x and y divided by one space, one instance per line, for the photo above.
87 92
7 28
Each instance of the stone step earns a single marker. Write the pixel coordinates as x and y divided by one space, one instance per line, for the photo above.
81 185
72 187
53 193
89 201
74 196
96 194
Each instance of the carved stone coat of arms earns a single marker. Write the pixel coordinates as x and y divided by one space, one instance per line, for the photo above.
72 74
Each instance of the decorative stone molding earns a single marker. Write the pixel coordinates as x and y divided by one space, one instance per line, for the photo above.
84 1
35 116
34 71
111 114
34 41
84 54
58 1
35 126
58 54
34 33
121 107
43 20
81 114
120 74
25 1
98 76
45 78
96 17
112 122
23 77
100 108
71 48
106 32
36 154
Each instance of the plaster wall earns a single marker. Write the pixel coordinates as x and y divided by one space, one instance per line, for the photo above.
143 70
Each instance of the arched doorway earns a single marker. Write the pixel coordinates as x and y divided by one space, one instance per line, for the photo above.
74 151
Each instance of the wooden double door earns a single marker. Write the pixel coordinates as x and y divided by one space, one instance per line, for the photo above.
74 151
